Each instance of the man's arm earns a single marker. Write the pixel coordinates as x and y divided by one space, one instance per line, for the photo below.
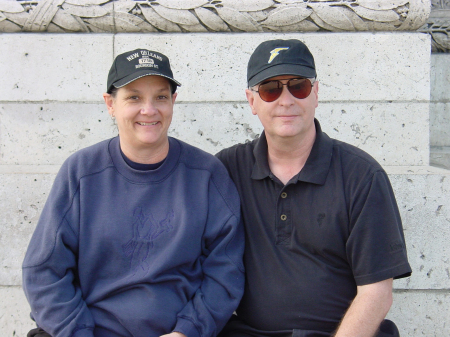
367 311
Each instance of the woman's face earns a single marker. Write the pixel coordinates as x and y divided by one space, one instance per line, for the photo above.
143 110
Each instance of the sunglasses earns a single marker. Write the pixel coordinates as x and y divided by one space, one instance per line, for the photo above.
299 88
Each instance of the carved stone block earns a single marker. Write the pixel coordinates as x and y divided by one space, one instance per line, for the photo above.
211 15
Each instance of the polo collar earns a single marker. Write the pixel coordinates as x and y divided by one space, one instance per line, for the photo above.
316 167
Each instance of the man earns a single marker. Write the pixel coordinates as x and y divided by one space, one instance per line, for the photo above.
141 234
324 238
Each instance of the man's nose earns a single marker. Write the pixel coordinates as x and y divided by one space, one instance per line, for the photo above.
286 98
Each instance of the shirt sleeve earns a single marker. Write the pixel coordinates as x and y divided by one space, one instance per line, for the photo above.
223 248
49 269
376 247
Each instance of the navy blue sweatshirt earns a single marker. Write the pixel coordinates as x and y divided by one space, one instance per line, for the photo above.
123 252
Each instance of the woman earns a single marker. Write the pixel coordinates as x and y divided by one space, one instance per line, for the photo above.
141 233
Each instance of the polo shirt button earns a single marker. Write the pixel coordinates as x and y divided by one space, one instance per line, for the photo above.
284 195
283 217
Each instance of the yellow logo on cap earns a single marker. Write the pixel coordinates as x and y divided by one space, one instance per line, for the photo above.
274 53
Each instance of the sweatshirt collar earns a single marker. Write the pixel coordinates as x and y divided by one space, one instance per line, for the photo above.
145 177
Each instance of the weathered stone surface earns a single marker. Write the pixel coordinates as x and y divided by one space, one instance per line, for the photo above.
393 133
62 67
440 123
421 313
438 26
423 197
22 197
14 312
440 77
440 156
440 110
46 134
213 67
224 15
389 132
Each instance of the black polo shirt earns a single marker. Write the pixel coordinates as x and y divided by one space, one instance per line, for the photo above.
333 226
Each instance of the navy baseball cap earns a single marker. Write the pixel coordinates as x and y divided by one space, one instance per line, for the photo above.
130 66
280 57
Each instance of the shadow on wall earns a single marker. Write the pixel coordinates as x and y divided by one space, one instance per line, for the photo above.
440 111
438 26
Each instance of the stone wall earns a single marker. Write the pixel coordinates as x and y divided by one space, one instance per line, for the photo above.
438 26
440 110
374 93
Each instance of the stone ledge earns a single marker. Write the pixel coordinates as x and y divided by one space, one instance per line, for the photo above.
14 312
416 313
421 313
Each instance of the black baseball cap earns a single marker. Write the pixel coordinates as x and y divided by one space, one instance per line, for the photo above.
130 66
280 57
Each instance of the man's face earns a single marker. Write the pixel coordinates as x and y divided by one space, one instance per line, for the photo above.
286 117
143 110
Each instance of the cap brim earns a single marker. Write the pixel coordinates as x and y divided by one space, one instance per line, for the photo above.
133 77
282 69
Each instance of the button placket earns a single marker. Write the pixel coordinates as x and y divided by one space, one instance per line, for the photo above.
284 224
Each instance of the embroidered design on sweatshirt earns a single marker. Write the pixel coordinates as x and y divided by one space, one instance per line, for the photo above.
145 230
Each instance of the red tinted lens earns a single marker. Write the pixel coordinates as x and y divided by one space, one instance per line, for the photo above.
299 87
270 91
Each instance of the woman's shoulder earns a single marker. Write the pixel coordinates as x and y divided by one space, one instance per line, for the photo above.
89 160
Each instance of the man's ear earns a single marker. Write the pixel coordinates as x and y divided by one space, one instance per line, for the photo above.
251 100
316 92
109 103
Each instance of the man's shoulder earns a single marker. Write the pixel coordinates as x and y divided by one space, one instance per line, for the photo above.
242 152
196 158
349 154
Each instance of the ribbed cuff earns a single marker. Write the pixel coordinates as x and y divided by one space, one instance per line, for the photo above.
84 333
186 327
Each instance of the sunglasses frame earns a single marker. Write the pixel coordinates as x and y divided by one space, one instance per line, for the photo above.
311 80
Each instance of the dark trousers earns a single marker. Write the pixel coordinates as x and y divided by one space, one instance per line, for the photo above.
387 329
236 328
38 332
